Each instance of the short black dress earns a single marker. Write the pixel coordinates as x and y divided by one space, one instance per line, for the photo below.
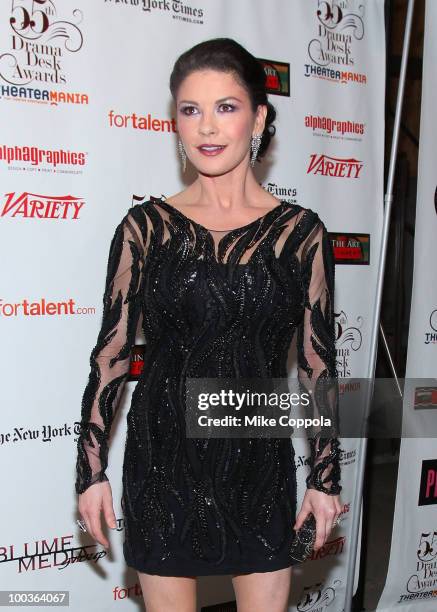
212 303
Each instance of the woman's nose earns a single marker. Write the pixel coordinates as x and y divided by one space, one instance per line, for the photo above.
207 124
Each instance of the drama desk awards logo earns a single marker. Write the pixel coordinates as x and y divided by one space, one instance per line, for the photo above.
339 26
422 584
38 41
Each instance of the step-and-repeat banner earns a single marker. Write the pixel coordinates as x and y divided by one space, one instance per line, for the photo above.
87 124
411 584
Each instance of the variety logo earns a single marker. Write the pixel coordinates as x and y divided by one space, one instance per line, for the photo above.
317 597
422 584
43 308
339 25
38 40
332 547
350 248
50 159
428 483
277 77
326 165
34 206
333 128
176 8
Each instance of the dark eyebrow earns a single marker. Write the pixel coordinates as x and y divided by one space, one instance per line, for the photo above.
218 101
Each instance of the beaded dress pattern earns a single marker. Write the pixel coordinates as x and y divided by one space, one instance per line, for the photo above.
211 303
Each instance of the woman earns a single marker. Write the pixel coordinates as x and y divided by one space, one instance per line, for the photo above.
222 274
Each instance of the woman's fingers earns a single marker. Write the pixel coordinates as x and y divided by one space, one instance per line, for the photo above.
96 529
108 510
91 503
87 519
320 532
84 517
324 520
93 527
304 511
325 508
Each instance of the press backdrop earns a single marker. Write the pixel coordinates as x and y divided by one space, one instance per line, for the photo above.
86 124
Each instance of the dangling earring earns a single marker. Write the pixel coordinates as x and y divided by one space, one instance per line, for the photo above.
182 154
254 146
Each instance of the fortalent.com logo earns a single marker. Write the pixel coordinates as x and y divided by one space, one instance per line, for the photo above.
43 307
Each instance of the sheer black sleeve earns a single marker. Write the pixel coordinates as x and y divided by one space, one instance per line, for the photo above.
110 358
316 358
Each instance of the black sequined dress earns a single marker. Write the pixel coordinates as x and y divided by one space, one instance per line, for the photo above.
212 304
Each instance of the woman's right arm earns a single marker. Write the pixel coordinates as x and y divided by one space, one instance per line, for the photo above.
109 364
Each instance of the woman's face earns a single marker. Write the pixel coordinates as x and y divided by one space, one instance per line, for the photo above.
214 109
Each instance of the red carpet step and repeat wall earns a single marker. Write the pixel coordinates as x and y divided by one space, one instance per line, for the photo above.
87 128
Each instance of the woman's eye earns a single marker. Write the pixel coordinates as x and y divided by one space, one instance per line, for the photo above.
230 107
186 110
191 110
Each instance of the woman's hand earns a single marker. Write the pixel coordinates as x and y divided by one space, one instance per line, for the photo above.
326 509
97 497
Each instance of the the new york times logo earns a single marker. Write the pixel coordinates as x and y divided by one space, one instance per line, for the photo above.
178 8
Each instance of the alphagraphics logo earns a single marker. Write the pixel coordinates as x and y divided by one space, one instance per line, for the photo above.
327 127
32 158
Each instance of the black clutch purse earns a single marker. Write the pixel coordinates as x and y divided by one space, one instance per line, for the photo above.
303 543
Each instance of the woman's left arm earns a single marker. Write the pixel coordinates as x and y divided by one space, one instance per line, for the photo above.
317 374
